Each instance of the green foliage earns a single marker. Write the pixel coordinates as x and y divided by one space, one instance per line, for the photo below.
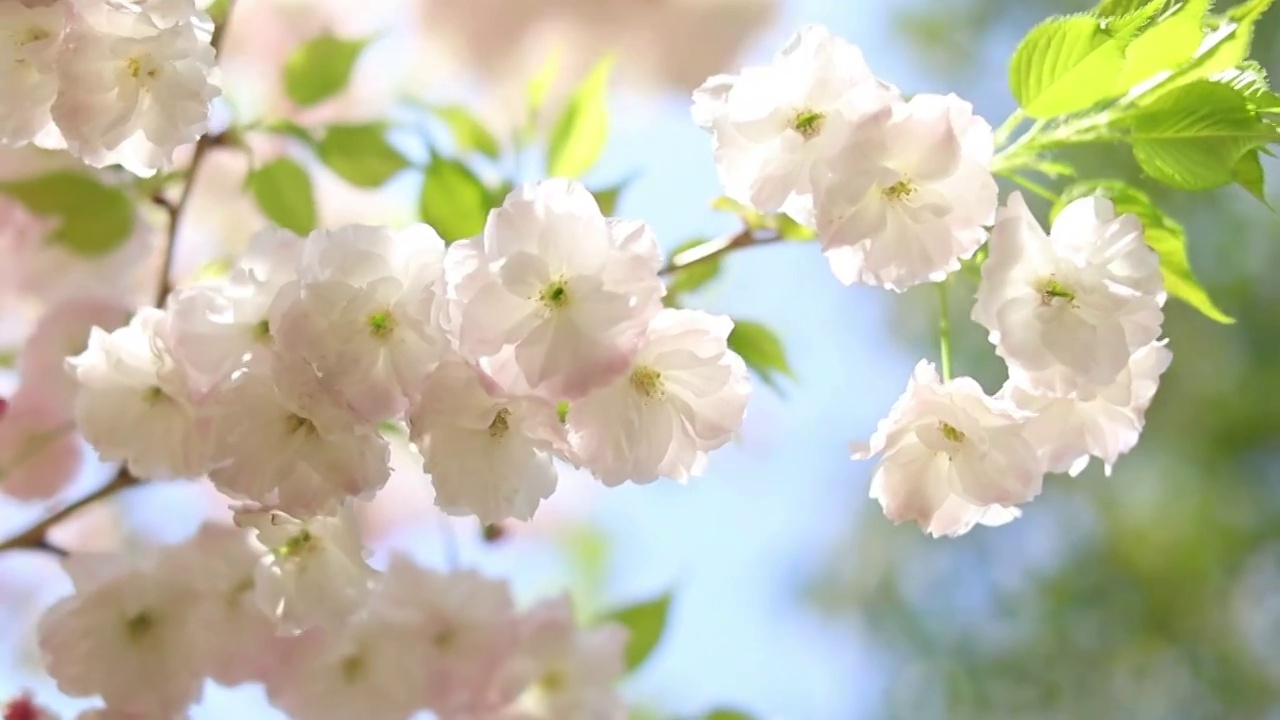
607 198
723 714
693 276
95 219
360 154
454 201
1193 136
1229 43
1164 234
1171 41
761 350
283 190
1068 64
579 136
469 134
1248 175
320 68
645 622
293 130
779 223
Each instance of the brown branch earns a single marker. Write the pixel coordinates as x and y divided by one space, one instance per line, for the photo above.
34 536
744 238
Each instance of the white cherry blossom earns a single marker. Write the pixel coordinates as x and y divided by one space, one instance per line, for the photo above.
488 455
1067 310
30 46
39 452
771 124
684 395
903 202
1067 430
134 403
315 573
282 439
553 295
132 90
63 331
365 312
951 456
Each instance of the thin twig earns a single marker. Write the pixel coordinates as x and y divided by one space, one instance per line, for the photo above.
715 248
34 536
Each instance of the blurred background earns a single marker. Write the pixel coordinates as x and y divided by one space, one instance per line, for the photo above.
1154 593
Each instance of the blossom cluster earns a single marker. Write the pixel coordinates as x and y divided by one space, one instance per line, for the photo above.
900 192
114 82
300 610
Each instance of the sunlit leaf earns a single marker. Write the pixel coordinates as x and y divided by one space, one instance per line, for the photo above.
321 68
360 154
579 136
1066 64
727 715
645 622
750 216
469 134
293 130
1248 175
454 201
607 198
1164 234
693 276
94 219
760 349
1171 40
283 191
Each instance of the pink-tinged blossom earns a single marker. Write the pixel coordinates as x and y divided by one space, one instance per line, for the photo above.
63 332
684 395
553 294
39 454
951 456
30 46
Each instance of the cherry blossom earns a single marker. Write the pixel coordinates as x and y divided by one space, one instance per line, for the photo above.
30 46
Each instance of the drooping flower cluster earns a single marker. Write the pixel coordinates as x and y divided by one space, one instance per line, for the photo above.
115 82
899 193
274 380
298 608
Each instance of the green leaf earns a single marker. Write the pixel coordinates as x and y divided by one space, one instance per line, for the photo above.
750 216
1066 64
607 198
453 200
645 622
541 82
789 229
1164 234
760 349
293 130
696 275
218 10
1170 41
320 68
283 191
1248 174
723 714
469 134
1250 80
1229 44
94 219
360 154
1118 8
1192 137
580 134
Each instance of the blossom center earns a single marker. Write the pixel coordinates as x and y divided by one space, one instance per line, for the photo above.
154 395
34 34
900 190
950 432
552 682
444 638
140 625
297 423
555 295
262 330
808 123
648 382
1051 290
141 65
381 324
352 669
501 424
296 545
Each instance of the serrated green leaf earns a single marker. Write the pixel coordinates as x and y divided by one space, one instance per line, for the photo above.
293 130
1164 234
1117 8
469 134
283 190
1250 79
1171 40
320 68
1228 45
579 136
1248 175
1192 137
696 275
94 219
360 154
1067 64
453 199
760 349
645 622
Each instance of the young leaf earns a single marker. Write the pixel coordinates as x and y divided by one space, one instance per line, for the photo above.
1168 43
1250 80
541 82
694 276
320 68
1248 174
1164 234
607 198
469 134
1229 44
760 349
724 714
750 216
293 130
1067 64
95 219
579 135
283 191
645 622
1192 136
453 200
360 154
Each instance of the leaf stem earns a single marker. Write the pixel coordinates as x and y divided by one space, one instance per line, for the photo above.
1006 128
1034 187
744 238
944 330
